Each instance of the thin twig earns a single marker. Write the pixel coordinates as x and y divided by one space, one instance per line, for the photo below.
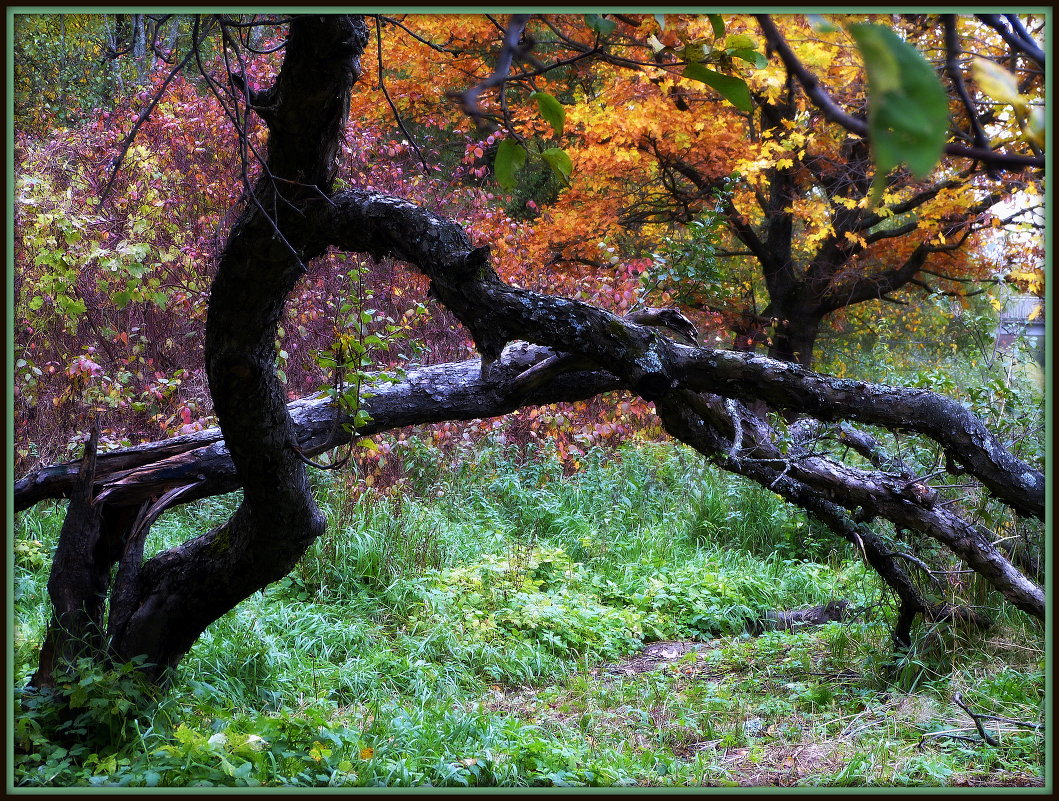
952 66
416 36
834 113
116 162
386 94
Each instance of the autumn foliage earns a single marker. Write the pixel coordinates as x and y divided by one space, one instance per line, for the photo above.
637 181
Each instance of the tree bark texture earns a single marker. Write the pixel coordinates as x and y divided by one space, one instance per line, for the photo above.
164 604
160 606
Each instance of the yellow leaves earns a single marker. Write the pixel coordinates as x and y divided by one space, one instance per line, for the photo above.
819 234
998 83
784 163
816 55
1003 87
1030 280
367 753
856 239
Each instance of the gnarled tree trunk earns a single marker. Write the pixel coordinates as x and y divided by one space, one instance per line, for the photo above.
159 608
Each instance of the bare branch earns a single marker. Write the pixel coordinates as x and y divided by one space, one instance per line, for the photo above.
393 108
510 48
123 148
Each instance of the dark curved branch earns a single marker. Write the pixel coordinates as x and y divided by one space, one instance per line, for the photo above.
181 591
650 364
952 67
1016 36
510 48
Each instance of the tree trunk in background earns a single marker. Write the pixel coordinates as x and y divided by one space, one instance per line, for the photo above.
139 46
795 336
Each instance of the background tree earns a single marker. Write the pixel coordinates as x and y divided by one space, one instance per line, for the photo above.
785 182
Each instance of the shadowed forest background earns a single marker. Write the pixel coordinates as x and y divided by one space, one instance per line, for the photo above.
528 400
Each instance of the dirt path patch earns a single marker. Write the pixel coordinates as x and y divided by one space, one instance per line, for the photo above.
659 654
769 711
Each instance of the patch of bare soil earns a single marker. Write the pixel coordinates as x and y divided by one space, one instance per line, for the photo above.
660 654
781 765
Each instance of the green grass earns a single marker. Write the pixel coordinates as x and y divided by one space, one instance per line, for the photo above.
458 632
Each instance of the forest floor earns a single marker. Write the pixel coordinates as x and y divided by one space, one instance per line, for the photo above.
798 746
501 623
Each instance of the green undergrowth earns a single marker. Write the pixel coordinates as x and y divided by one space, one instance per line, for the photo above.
475 628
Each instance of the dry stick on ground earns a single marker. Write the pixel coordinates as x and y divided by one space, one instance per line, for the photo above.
990 740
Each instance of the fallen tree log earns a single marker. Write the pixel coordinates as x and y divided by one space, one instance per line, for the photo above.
195 466
437 393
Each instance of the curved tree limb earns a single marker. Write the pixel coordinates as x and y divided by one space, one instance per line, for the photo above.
651 364
672 375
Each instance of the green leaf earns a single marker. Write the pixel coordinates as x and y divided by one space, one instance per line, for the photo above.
600 25
1035 126
753 56
36 302
693 52
740 41
908 109
552 110
73 308
718 25
560 163
733 89
509 160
